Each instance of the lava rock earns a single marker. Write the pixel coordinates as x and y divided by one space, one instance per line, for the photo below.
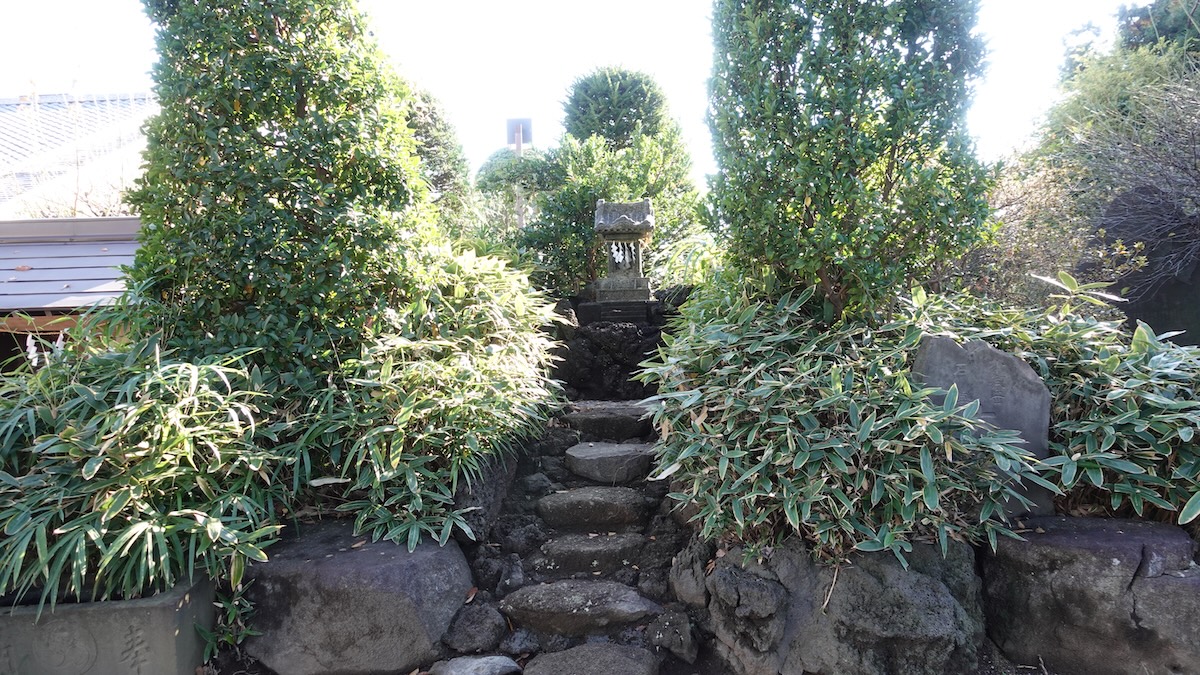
595 659
480 500
673 631
521 641
687 576
520 534
554 442
1097 596
320 598
476 628
880 618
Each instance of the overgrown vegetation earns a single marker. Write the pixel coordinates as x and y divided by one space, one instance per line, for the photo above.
786 402
298 335
775 424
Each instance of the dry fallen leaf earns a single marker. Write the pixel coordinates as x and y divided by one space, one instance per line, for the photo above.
471 594
22 268
359 543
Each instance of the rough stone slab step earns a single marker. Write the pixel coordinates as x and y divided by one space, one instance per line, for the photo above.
591 554
595 659
593 507
609 420
614 463
577 607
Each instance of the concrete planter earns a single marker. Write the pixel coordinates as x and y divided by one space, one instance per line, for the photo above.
148 636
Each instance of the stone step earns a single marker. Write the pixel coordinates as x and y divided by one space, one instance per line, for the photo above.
609 420
577 608
612 463
595 659
601 508
595 554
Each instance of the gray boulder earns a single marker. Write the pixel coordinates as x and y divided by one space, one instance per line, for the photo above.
577 607
880 618
595 659
329 601
1096 596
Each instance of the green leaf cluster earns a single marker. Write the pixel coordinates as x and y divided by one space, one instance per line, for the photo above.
774 424
616 104
122 472
840 137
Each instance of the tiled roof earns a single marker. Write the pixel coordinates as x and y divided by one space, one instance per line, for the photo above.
44 137
64 263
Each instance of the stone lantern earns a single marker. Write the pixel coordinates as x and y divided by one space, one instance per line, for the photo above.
624 229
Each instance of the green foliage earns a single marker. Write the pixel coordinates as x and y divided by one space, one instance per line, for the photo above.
1163 21
443 163
774 424
616 104
452 381
123 472
1124 406
1126 121
562 243
841 142
275 173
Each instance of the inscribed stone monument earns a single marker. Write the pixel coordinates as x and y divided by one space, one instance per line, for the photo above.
1010 395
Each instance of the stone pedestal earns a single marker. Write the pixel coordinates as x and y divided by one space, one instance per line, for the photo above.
113 637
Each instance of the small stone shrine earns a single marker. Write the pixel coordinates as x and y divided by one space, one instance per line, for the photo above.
624 229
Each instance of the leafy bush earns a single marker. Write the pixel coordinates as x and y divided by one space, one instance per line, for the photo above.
773 424
840 137
274 175
562 243
123 472
616 104
1124 406
452 380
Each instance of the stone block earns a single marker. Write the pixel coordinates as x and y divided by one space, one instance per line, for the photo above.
577 607
880 619
612 463
593 508
1096 596
595 659
126 637
329 601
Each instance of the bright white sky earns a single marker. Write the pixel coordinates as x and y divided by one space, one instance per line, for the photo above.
488 61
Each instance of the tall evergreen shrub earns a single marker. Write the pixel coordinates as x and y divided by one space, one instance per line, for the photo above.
277 173
840 136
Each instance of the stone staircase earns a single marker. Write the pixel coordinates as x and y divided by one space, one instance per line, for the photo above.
579 559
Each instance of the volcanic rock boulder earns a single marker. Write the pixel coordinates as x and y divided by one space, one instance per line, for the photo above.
1096 596
320 599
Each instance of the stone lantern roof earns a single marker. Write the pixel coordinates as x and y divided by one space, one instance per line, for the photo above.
624 217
